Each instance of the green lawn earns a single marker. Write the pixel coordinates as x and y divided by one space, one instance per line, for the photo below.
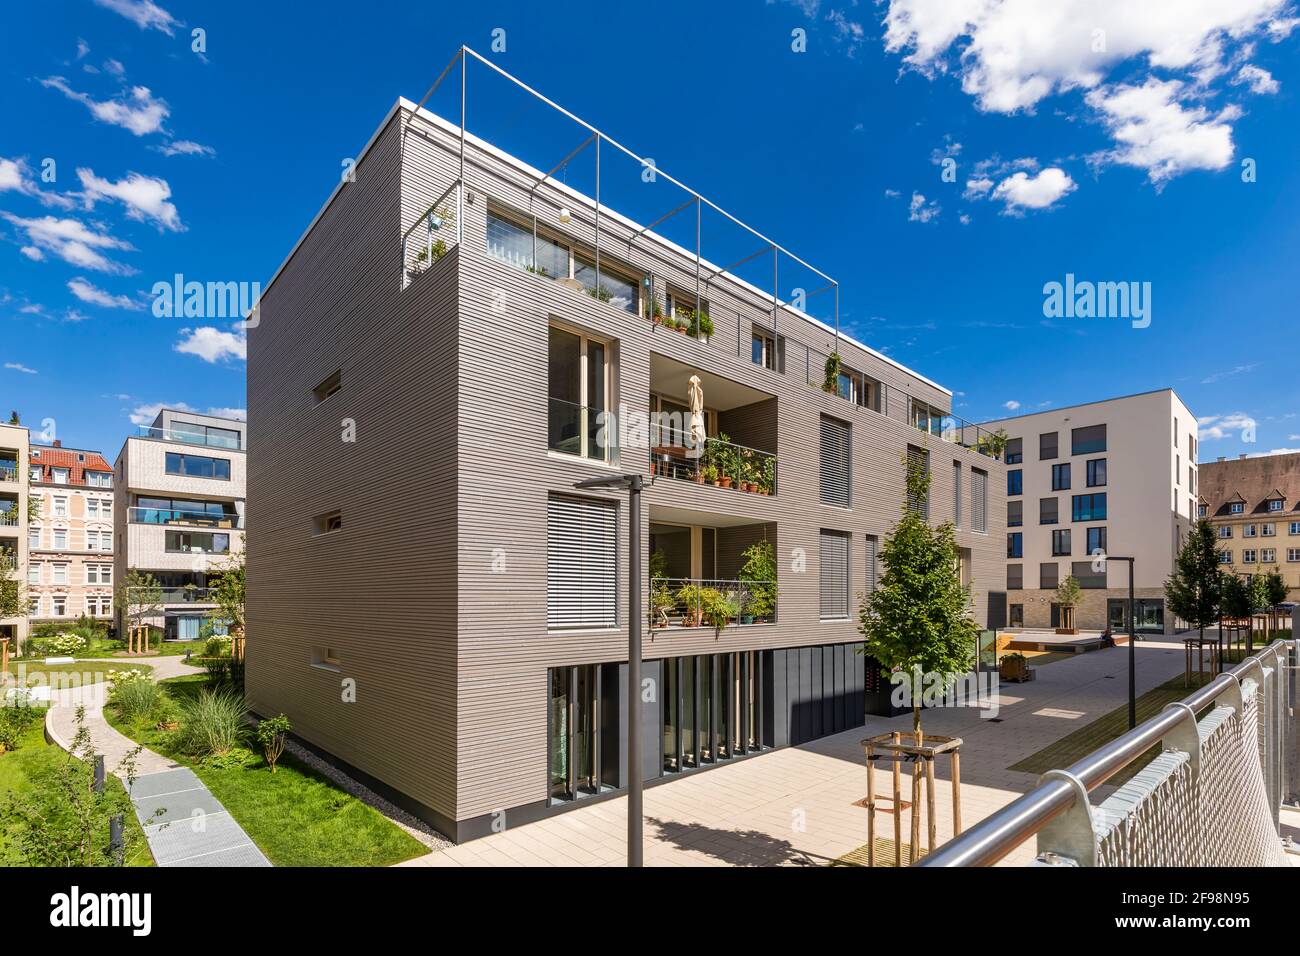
94 671
295 815
35 755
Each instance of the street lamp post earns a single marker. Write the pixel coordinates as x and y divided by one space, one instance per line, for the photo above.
634 484
1132 639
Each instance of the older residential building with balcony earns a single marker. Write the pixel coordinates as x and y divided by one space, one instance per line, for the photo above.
180 511
1111 477
430 599
13 517
71 545
1254 505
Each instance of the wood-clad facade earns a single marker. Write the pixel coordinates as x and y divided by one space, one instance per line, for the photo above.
409 638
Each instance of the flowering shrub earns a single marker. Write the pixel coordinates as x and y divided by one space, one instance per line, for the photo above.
60 645
118 678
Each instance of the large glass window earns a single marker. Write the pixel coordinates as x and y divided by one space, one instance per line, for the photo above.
1061 543
1090 507
582 721
1061 477
1015 514
1047 575
1047 446
767 351
1096 540
579 391
1015 482
1015 452
1048 511
198 542
1088 577
614 289
1097 473
197 466
713 708
1088 440
1016 545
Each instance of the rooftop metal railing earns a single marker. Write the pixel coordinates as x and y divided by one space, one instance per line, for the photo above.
1063 792
430 237
202 519
189 437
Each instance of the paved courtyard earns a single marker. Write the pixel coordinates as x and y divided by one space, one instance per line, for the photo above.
796 807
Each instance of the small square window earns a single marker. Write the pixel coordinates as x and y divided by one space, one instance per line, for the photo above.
328 523
328 387
325 657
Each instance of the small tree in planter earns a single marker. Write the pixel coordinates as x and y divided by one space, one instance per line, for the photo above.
1068 594
758 574
139 597
992 444
1195 590
661 597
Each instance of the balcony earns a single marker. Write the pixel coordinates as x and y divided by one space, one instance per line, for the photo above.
186 595
210 437
8 470
720 463
710 572
170 516
711 602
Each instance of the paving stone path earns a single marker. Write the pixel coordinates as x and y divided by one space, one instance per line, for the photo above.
184 823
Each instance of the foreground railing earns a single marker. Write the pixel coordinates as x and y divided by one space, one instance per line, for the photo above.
189 437
1211 798
194 518
711 602
430 237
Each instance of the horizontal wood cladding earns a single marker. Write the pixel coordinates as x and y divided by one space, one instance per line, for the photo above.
380 592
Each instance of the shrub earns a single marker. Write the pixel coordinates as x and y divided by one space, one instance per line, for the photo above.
216 646
136 697
270 734
14 721
211 724
57 645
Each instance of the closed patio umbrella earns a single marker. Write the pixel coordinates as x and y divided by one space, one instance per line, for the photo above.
695 393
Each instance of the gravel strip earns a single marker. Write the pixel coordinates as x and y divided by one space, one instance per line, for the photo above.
411 824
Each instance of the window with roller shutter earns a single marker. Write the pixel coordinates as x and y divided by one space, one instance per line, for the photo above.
834 570
836 456
979 500
873 571
918 458
581 563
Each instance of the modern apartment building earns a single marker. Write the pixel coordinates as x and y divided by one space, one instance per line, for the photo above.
180 511
13 517
70 547
431 600
1254 505
1115 477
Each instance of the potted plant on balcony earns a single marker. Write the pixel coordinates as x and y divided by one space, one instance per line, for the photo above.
710 474
696 600
758 575
719 611
831 383
661 596
655 311
700 326
767 481
723 457
992 444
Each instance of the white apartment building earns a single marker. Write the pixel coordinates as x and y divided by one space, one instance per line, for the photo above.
13 517
1117 477
71 543
180 511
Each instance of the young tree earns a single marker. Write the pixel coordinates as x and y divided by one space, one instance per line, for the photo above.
919 617
1235 601
13 590
1068 595
1258 593
1277 593
139 597
1195 590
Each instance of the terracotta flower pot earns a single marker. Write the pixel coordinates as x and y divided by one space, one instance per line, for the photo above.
725 481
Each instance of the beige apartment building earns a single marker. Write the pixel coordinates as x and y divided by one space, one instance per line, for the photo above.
71 544
1109 477
180 511
13 517
1254 505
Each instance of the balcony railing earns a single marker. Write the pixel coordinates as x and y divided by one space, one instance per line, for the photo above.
186 596
711 602
720 463
8 471
430 237
200 519
190 438
580 430
9 518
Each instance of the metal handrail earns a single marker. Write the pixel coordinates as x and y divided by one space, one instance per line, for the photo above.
205 519
418 264
740 593
669 464
997 835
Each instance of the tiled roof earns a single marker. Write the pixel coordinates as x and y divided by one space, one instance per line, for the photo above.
49 457
1252 481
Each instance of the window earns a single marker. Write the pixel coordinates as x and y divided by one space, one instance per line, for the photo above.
1201 510
1250 531
1268 555
1015 482
33 538
1088 440
99 479
99 574
1178 468
1268 530
1047 576
327 523
1225 531
326 657
834 575
1061 477
106 541
979 500
1015 452
92 508
918 458
60 539
1090 507
1225 557
1295 527
1088 578
34 573
59 476
1249 556
581 563
60 507
106 508
1096 540
1293 554
1275 504
1015 545
92 540
34 606
34 473
198 542
197 466
333 382
873 570
836 455
956 494
1236 508
60 605
1061 543
1048 511
579 389
1017 615
60 573
1097 473
767 351
1047 446
194 433
1015 514
1015 577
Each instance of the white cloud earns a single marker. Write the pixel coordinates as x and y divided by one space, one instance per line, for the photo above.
185 147
115 67
72 241
16 176
1041 191
146 413
1157 133
145 14
87 292
1275 451
140 112
145 197
921 210
1216 427
212 344
1012 54
1011 406
977 188
1235 370
892 194
1258 79
19 367
82 48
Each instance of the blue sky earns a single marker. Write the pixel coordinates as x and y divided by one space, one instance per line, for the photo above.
1097 138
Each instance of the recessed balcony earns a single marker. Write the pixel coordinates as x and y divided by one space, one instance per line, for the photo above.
707 574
